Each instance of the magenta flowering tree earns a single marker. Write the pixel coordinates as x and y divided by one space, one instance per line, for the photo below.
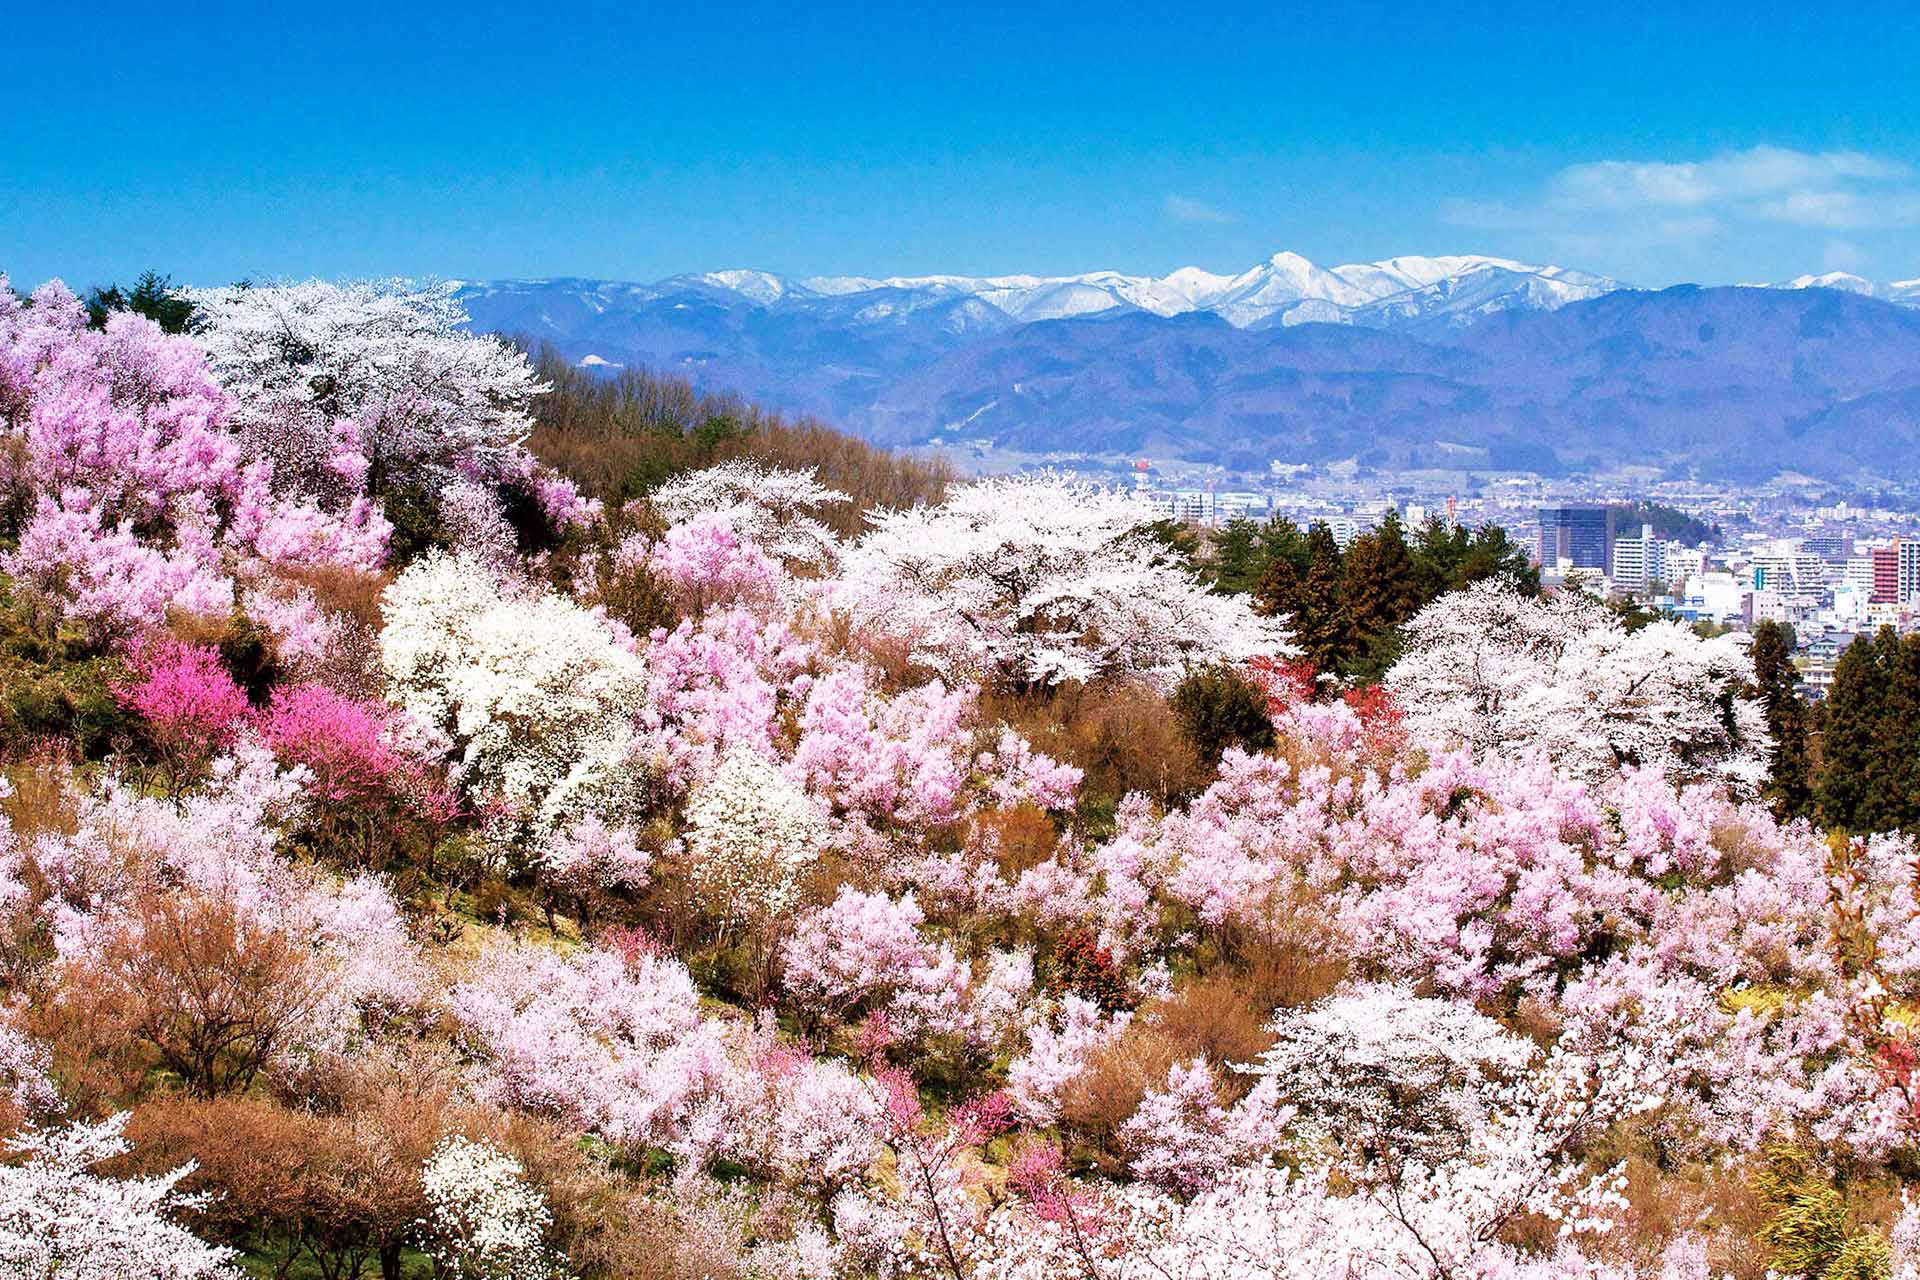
345 744
190 703
365 777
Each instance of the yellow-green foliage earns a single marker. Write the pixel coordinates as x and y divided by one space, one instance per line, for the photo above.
1762 998
1865 1256
1811 1232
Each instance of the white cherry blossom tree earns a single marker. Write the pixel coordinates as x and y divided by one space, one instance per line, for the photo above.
1500 674
60 1218
771 507
1038 580
421 394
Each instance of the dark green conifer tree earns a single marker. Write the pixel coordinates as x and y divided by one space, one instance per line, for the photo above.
1319 615
1897 772
1776 684
1850 744
152 296
1382 589
1237 561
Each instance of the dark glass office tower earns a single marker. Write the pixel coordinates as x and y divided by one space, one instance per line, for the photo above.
1581 535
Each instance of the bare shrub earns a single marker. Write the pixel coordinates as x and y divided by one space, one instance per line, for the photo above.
213 991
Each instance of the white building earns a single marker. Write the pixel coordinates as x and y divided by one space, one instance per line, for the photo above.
1858 572
1639 561
1717 595
1683 564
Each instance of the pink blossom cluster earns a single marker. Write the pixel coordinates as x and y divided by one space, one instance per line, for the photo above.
897 759
143 491
707 564
616 1047
348 746
715 686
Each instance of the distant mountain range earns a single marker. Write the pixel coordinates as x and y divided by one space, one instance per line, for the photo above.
1410 362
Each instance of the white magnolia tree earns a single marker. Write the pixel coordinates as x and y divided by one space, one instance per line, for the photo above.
1491 670
1037 580
58 1218
774 508
751 836
422 395
485 1221
536 694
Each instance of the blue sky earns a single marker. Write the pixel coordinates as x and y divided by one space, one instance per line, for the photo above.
1659 143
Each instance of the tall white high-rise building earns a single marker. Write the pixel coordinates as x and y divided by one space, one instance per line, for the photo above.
1638 561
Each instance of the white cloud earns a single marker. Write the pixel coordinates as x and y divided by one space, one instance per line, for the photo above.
1185 209
1691 200
1843 255
1652 213
1789 181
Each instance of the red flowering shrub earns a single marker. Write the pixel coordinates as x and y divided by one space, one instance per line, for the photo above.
1287 682
1081 965
1380 715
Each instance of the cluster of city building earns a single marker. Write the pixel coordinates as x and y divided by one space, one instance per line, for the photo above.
1829 586
1830 569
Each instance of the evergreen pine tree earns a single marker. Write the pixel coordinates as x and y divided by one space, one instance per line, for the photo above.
1382 590
1282 537
1776 684
1851 738
1278 592
1491 553
152 296
1440 555
1319 614
1235 568
1284 556
1897 774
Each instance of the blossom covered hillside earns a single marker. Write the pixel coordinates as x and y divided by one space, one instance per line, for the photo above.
418 862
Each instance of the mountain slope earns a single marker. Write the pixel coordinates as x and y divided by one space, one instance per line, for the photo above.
1470 362
1733 381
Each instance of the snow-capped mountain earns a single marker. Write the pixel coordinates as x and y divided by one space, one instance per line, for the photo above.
1521 367
1906 292
1285 289
1412 293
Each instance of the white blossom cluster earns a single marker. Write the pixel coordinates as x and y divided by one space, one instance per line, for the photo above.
1502 674
751 835
771 507
393 359
484 1221
1040 580
60 1219
536 694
